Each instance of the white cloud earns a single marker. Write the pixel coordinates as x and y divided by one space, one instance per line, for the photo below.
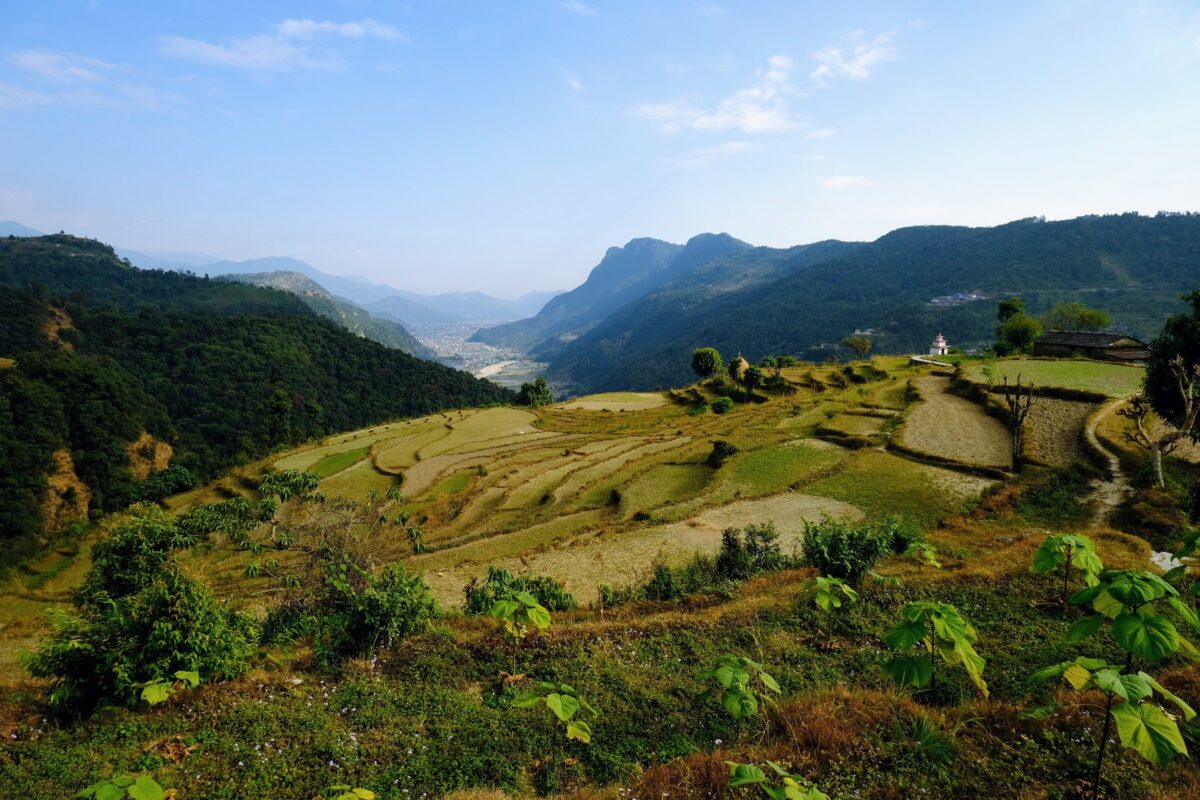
579 7
853 56
821 133
16 97
762 107
845 182
359 29
62 67
703 156
711 10
264 53
289 47
574 83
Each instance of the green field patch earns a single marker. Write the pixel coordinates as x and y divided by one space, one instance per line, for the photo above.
856 425
480 429
663 484
335 463
406 451
355 482
574 485
775 468
883 484
1114 380
455 484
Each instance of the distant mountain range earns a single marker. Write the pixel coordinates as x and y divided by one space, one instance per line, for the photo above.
407 308
645 306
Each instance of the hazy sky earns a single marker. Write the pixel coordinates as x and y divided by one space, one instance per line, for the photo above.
504 145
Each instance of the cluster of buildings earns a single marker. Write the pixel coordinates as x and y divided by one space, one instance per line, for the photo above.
1066 344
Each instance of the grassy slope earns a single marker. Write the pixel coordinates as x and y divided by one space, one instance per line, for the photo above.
431 715
1114 380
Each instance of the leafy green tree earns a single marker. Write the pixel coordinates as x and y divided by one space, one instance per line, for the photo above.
1017 334
1067 551
861 345
742 685
932 628
1075 316
1007 309
535 394
753 378
790 787
565 703
707 362
1176 346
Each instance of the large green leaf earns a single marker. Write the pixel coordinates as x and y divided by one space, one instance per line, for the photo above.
905 634
1084 628
1144 727
1185 610
539 616
1151 638
563 705
528 700
744 774
1048 557
145 788
914 671
739 703
580 731
156 692
1188 713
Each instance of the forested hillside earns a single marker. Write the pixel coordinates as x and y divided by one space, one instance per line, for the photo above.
343 312
1132 266
116 368
624 275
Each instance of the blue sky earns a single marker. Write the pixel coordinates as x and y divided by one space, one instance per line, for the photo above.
502 146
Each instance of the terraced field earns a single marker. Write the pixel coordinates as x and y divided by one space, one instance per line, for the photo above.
950 427
596 489
1114 380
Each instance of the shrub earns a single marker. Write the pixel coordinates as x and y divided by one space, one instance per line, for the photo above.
140 621
662 585
746 554
357 613
721 451
172 623
501 583
845 551
721 405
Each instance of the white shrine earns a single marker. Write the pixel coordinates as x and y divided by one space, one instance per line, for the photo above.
940 346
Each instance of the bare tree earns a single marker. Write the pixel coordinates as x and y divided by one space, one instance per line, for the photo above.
1160 440
1019 400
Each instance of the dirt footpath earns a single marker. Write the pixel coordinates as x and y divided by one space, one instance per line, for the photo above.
954 428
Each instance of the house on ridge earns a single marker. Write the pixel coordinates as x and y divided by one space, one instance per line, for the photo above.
1090 344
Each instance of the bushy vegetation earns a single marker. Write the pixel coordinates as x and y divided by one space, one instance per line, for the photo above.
140 620
850 552
481 596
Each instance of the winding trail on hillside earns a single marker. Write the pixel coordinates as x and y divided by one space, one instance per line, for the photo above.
1112 489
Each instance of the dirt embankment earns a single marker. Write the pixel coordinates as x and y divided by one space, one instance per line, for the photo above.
66 497
59 321
147 455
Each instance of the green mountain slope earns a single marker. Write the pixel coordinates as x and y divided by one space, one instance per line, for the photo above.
1133 266
221 372
357 320
624 275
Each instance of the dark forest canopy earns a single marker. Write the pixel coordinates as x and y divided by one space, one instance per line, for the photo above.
224 372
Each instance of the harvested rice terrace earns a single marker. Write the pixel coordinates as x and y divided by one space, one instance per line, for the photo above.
597 489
